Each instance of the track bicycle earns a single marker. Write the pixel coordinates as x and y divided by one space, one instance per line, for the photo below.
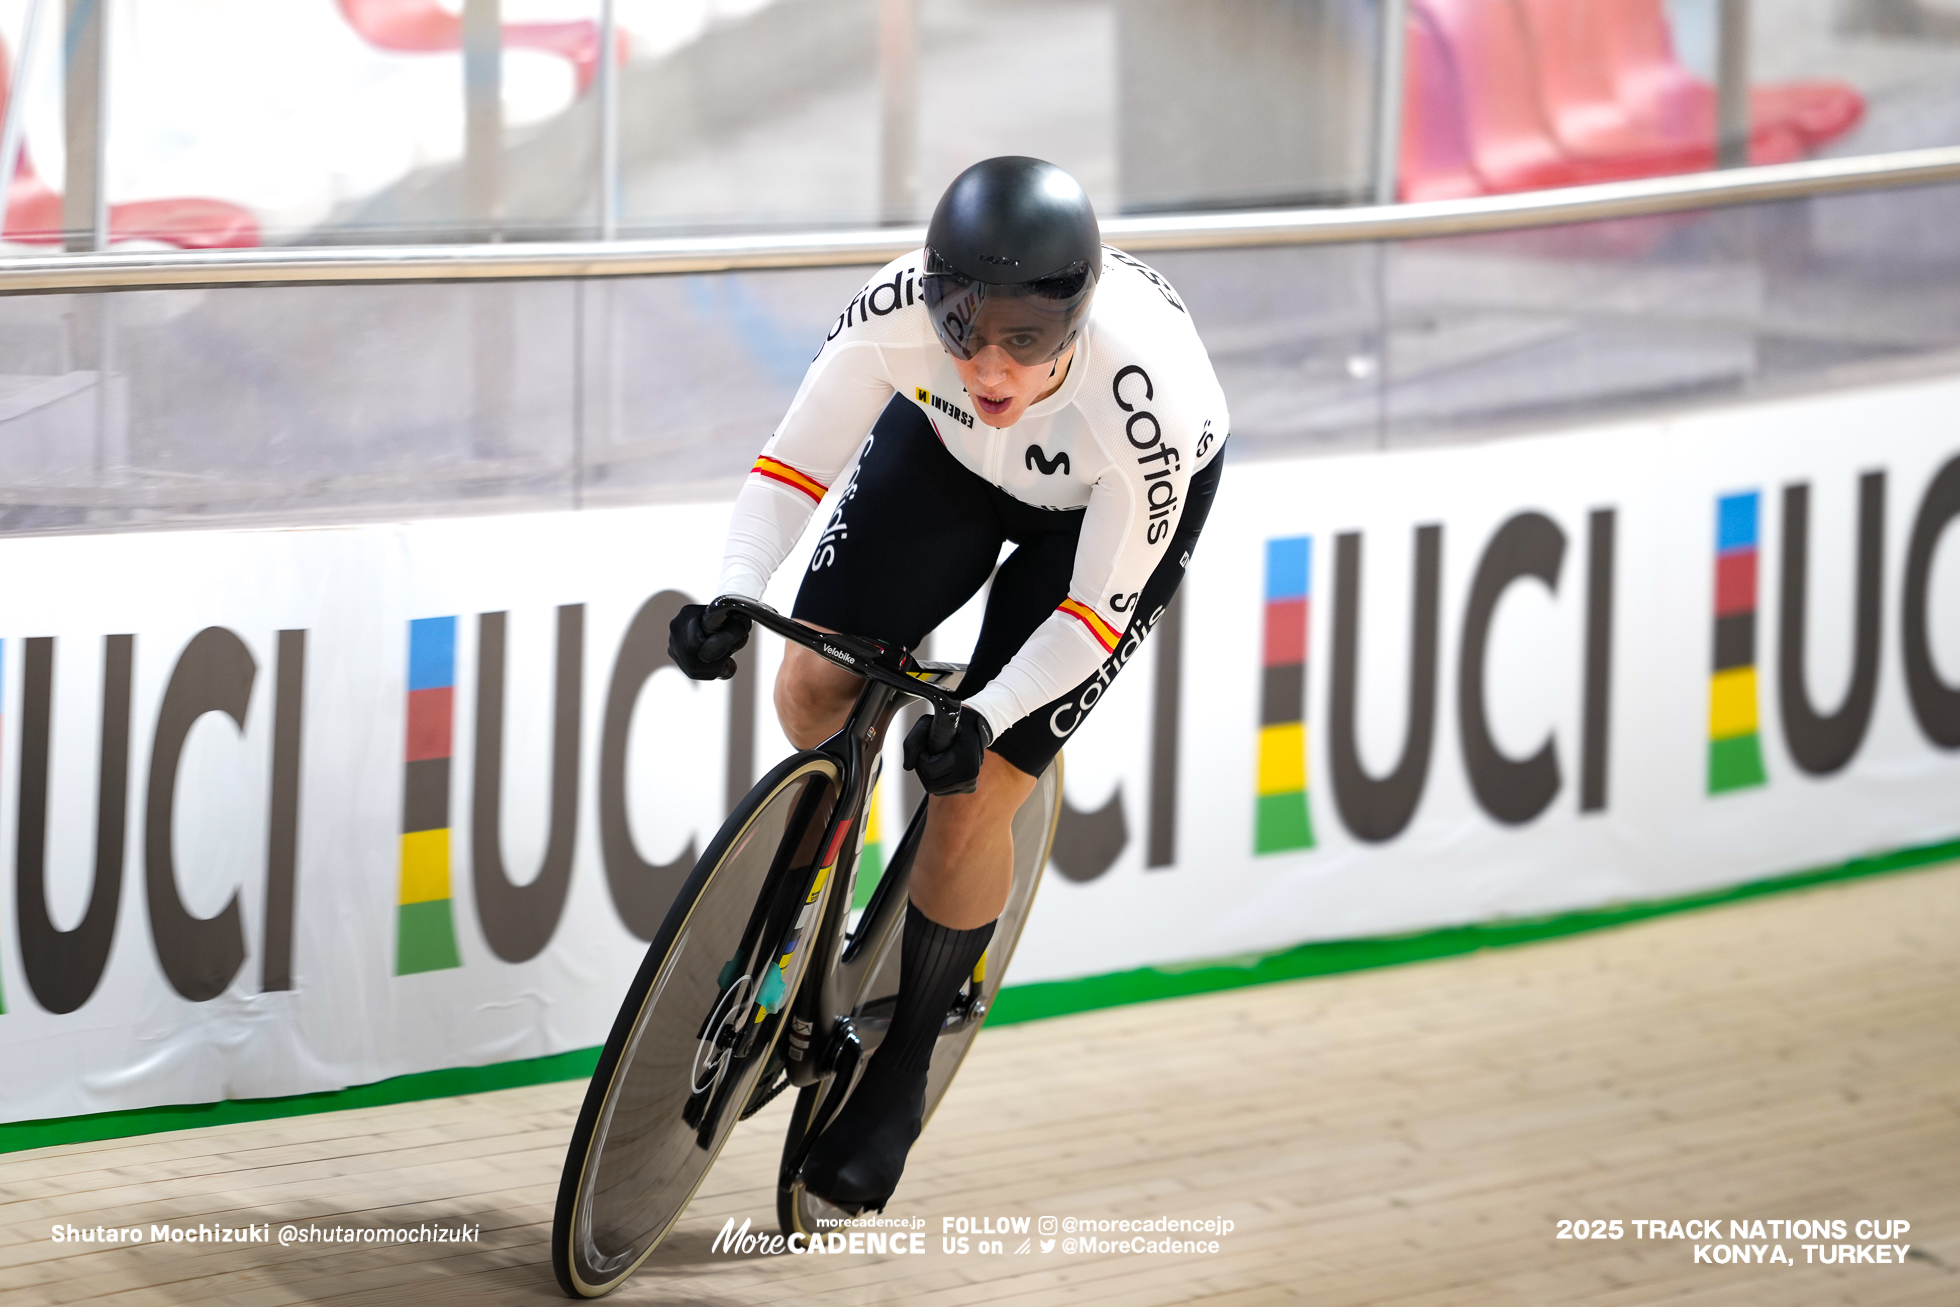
761 977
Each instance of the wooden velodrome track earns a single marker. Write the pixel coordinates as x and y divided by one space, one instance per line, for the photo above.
1407 1137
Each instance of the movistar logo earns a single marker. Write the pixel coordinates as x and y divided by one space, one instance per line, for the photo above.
954 411
1037 459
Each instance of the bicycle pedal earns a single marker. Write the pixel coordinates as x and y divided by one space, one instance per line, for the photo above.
968 1009
843 1051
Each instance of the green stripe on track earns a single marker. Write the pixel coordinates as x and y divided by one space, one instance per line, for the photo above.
1014 1004
575 1065
1061 997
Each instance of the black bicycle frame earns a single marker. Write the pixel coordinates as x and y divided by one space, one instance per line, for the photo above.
895 668
815 1010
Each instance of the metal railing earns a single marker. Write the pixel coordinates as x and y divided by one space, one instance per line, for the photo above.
1267 227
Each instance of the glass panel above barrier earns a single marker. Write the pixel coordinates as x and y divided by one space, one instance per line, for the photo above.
1011 77
1295 337
233 123
685 377
1566 325
1242 105
767 115
153 408
289 405
857 112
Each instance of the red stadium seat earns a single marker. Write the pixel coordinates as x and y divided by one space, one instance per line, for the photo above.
1435 160
1817 111
1512 147
188 223
1655 87
1583 103
1511 95
425 27
33 214
1785 119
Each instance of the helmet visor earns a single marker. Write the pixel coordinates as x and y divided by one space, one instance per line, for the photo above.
1033 321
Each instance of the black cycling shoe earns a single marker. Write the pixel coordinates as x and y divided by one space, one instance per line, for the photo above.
858 1160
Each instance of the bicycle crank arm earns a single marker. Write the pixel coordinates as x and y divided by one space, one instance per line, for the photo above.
842 1059
703 1110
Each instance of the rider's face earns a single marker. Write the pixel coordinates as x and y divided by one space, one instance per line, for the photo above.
1001 389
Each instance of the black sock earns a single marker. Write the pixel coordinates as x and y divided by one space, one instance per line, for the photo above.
862 1154
934 962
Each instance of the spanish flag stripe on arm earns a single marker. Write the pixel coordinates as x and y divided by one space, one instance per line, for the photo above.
1106 635
777 470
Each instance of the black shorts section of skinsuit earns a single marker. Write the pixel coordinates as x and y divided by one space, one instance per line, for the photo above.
916 535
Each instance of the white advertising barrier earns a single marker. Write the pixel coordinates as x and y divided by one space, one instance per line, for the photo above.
296 810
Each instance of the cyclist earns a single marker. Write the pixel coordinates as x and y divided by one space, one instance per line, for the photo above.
1022 383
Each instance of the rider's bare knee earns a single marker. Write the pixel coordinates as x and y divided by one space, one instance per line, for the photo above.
812 697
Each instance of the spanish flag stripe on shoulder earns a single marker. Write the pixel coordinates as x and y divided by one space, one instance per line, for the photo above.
1106 635
776 470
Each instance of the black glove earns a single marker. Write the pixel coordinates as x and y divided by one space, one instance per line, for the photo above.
956 768
705 652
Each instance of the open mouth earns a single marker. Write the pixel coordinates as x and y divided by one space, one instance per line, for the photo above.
993 407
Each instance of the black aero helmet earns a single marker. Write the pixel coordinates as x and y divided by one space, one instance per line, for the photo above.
1012 257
